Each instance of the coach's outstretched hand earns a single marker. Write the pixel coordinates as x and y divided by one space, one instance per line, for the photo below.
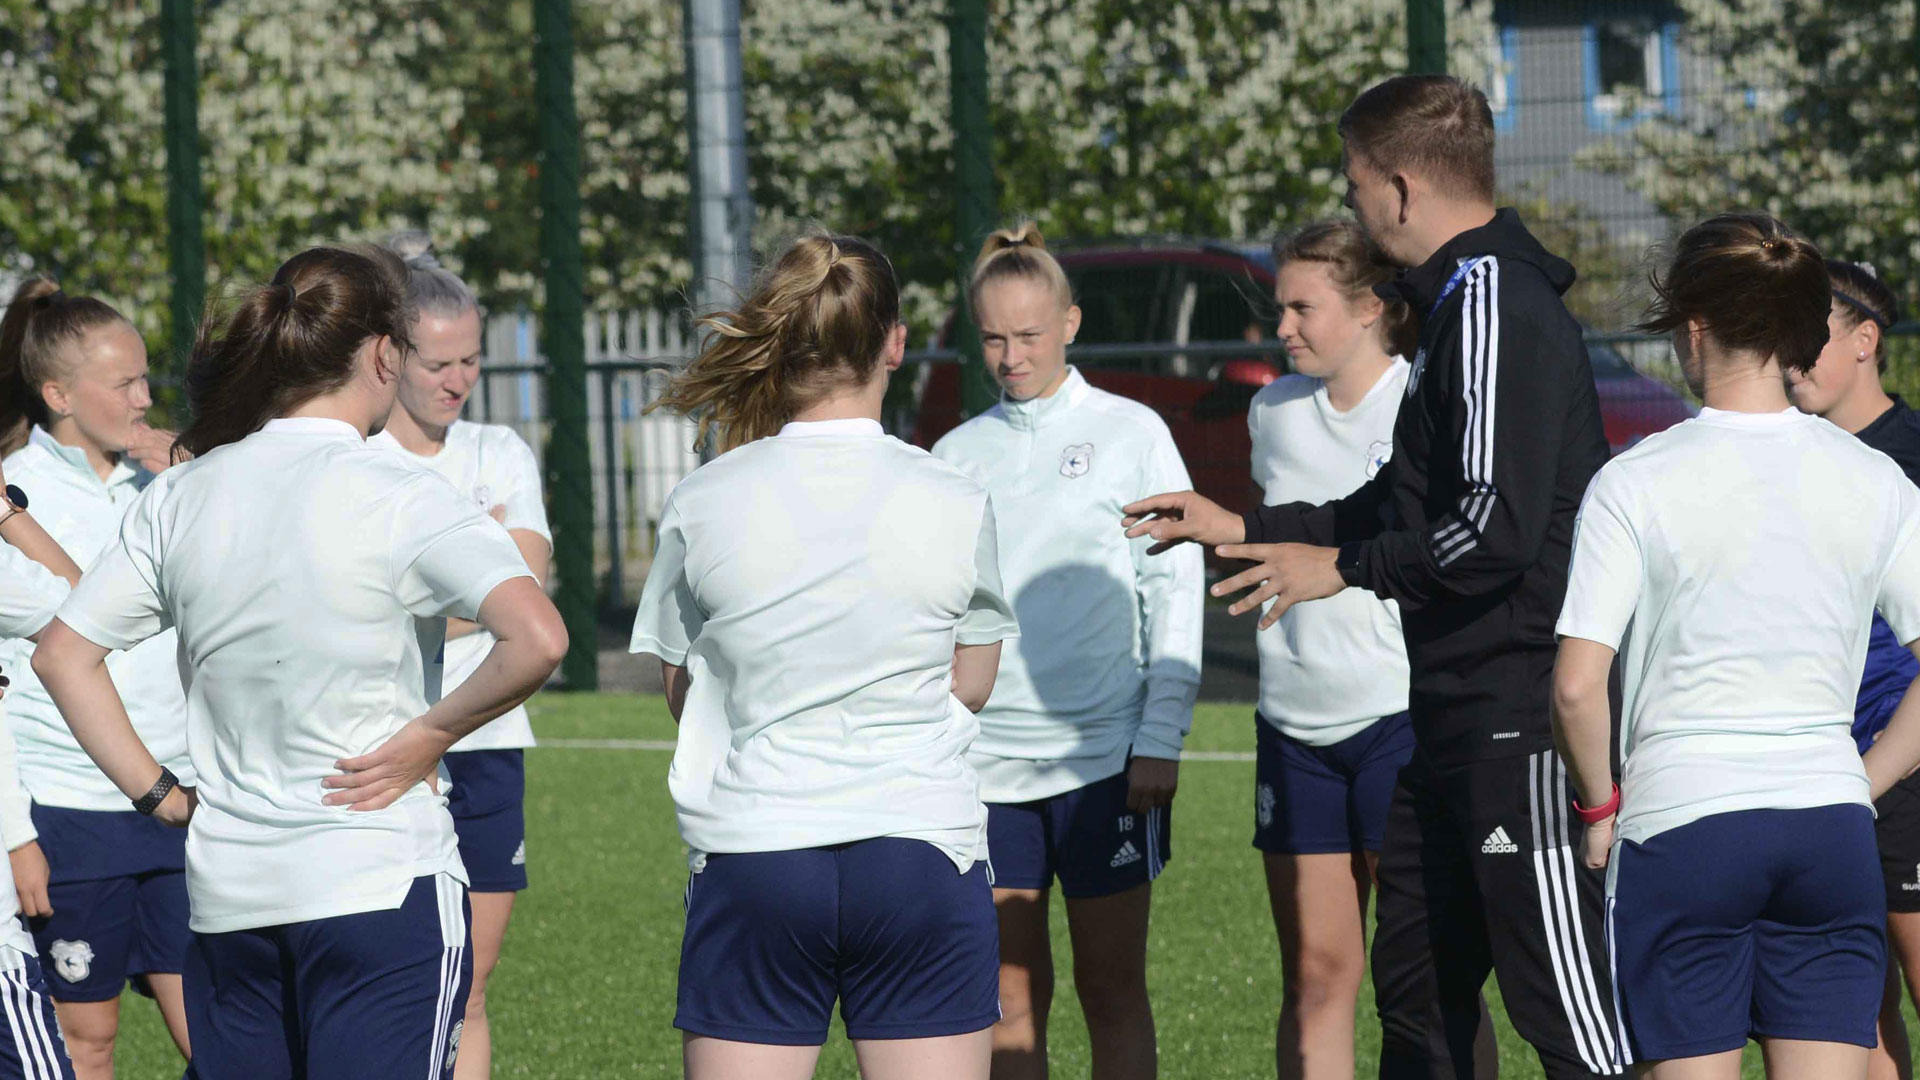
1181 516
374 781
1287 574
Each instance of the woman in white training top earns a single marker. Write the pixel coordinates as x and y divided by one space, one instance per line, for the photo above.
826 606
308 576
1332 723
104 888
493 466
35 575
1079 748
1735 561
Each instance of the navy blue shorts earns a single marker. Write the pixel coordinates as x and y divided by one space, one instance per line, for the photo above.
1316 800
488 804
1088 837
119 897
1753 924
381 993
30 1044
909 945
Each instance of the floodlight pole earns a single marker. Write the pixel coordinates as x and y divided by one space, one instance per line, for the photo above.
974 198
1426 37
186 245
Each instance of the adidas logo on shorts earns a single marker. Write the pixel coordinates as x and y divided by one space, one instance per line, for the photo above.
1499 843
1127 854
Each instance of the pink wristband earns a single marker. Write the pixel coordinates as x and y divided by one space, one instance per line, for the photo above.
1599 813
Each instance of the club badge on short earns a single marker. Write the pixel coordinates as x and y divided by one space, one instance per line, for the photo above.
72 960
1075 460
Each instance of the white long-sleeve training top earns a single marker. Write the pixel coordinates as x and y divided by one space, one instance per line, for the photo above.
1108 659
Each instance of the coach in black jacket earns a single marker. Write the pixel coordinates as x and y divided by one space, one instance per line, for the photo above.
1469 527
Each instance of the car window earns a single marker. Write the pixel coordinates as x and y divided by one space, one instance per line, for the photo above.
1122 305
1608 363
1227 308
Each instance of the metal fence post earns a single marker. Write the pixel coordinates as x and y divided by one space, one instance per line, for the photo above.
974 198
1427 37
563 339
186 246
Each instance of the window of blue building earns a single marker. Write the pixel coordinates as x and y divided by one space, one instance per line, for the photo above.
1630 69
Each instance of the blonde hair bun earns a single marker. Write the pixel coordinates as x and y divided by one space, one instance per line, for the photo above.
1018 252
1024 235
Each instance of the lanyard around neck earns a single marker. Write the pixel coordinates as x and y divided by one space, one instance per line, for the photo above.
1459 275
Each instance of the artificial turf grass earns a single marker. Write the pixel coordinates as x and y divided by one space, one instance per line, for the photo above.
586 985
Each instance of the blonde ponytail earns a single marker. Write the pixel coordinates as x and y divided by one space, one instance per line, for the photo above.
1018 252
818 318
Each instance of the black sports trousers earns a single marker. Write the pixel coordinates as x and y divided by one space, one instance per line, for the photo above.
1481 871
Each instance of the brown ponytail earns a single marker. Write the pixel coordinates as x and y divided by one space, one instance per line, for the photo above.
819 317
291 340
41 322
1755 284
1356 265
1018 252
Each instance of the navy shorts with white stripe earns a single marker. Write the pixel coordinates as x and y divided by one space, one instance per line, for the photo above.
1088 837
30 1047
380 993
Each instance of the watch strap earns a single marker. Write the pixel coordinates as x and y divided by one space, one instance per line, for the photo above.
157 794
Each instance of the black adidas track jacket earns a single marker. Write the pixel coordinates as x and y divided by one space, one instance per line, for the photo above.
1470 525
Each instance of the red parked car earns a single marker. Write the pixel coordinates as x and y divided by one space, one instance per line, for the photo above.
1216 296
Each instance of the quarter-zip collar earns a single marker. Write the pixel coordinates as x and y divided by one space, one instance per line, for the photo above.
852 427
1036 413
76 459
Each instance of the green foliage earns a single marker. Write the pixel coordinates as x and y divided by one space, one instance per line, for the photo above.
330 119
1803 108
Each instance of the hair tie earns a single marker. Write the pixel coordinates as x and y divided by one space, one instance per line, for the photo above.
1861 307
425 260
292 293
47 300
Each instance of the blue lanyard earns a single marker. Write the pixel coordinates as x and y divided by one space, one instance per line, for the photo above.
1453 283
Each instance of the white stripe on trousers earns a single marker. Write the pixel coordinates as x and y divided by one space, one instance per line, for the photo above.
1560 914
39 1060
451 897
1625 1056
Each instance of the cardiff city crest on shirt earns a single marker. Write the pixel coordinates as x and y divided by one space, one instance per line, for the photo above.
1075 460
1378 455
72 960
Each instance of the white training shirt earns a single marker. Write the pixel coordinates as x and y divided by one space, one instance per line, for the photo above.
83 513
814 585
494 466
1108 661
29 596
1740 557
309 576
1330 668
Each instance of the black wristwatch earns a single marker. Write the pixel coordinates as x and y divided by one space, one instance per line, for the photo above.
157 794
16 502
1347 561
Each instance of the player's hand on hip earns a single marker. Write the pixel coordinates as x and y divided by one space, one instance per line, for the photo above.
1287 574
1600 843
1181 516
1151 782
30 877
374 781
177 808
